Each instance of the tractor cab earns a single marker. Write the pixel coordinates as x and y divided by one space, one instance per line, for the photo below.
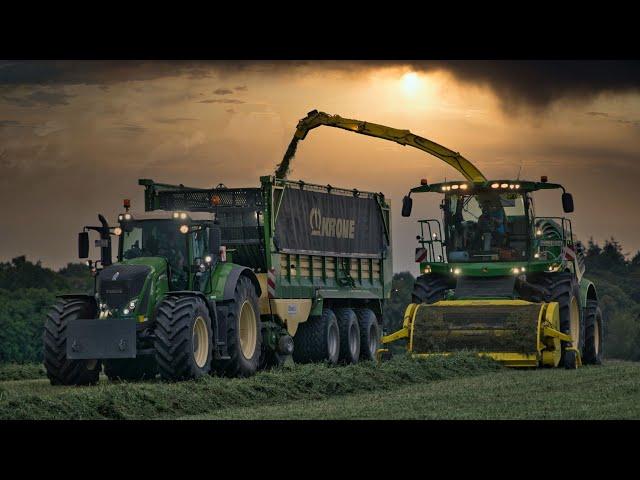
185 241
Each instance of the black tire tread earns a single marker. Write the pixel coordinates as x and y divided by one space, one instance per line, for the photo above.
237 365
173 337
591 317
310 341
346 317
60 370
366 318
429 289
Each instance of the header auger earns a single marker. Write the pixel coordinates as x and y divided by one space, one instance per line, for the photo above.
495 277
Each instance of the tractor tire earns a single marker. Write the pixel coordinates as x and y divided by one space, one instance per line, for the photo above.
318 339
429 289
349 335
244 332
593 334
183 338
61 370
369 333
131 369
563 288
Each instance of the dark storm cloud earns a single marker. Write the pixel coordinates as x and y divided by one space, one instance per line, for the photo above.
223 91
39 98
532 83
221 100
540 83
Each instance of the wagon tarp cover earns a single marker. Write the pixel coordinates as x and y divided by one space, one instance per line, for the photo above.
314 222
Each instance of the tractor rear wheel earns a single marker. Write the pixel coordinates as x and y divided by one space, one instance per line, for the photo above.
184 338
429 289
369 333
61 370
593 334
244 332
349 335
129 369
318 339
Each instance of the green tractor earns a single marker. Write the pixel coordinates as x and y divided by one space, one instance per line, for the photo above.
152 310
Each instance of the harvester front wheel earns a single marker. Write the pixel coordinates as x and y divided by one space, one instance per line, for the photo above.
349 335
318 339
244 331
143 368
563 288
184 339
369 333
61 370
429 289
593 334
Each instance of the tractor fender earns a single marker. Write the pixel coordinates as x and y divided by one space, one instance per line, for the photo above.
587 291
79 296
232 279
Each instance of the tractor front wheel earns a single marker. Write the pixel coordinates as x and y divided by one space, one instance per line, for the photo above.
61 370
184 338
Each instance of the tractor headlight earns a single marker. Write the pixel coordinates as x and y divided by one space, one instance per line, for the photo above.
117 231
184 228
457 271
132 304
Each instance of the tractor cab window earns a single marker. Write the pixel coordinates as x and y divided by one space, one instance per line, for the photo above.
486 226
159 238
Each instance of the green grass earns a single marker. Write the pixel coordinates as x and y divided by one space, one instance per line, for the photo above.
36 399
16 371
611 391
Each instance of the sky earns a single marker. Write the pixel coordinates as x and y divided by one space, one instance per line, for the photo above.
75 136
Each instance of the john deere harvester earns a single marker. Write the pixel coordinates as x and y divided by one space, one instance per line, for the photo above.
495 277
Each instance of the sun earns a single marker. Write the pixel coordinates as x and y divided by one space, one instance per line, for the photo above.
411 82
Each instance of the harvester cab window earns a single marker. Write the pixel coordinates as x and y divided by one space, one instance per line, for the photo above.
486 226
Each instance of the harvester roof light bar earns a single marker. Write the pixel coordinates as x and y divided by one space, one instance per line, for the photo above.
495 185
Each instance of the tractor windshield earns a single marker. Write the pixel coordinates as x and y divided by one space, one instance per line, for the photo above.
487 226
159 238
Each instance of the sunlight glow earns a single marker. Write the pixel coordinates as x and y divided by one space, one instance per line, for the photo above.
411 82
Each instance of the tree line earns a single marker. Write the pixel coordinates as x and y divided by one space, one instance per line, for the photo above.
27 291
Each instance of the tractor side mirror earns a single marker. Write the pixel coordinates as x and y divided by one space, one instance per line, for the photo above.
407 204
83 244
567 202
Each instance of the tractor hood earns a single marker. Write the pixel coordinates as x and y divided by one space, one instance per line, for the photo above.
120 283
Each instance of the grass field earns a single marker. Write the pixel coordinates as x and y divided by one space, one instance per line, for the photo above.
608 392
458 387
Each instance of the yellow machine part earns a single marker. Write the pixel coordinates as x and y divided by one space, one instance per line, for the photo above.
516 333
